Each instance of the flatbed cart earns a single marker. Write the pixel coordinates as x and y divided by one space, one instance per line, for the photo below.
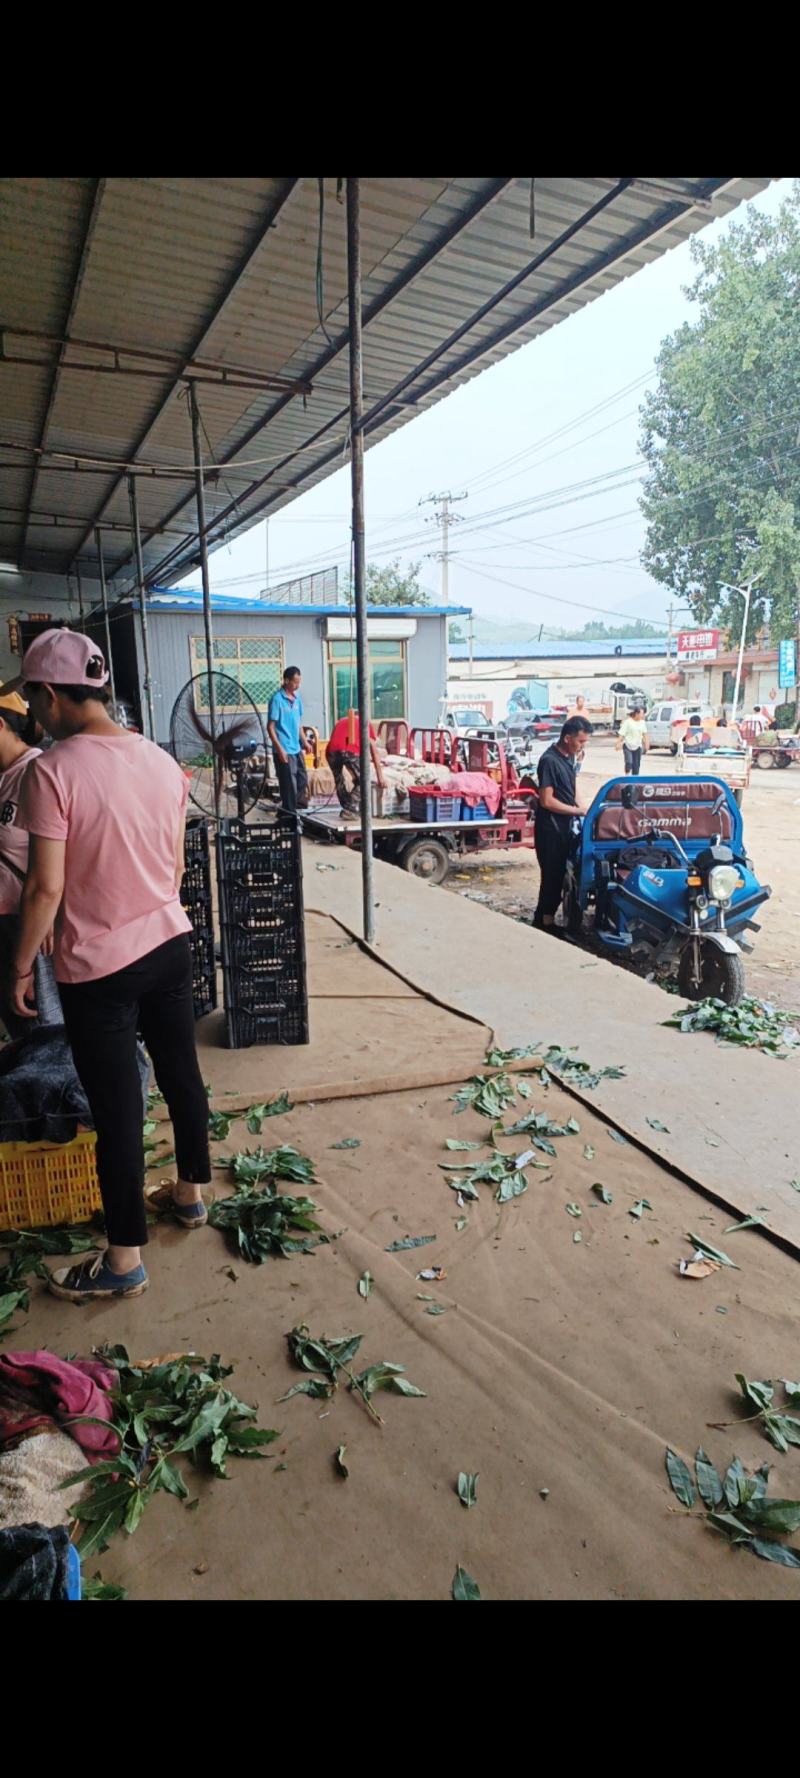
731 764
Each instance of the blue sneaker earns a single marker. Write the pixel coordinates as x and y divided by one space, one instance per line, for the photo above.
92 1278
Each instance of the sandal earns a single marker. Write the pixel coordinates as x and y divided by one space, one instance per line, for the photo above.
161 1199
92 1278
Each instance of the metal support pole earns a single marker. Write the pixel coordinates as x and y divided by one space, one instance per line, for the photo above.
137 546
359 553
82 619
747 591
207 625
104 601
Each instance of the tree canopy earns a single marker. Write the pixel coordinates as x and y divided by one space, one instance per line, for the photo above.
721 432
390 586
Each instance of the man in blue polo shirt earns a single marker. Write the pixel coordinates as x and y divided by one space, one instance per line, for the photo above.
285 726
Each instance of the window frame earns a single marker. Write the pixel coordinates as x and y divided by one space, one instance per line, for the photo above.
236 654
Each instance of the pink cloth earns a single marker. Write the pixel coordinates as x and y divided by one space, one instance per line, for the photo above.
472 787
63 1390
13 842
117 801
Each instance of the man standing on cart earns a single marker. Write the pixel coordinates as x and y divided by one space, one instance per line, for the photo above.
556 811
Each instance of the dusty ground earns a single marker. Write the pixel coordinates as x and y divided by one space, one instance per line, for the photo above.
771 812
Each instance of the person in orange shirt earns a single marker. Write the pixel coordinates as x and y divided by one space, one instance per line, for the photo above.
343 756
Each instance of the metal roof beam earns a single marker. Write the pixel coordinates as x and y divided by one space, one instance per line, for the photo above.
377 414
493 190
254 246
77 283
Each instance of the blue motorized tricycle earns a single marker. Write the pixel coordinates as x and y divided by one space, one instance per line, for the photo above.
659 873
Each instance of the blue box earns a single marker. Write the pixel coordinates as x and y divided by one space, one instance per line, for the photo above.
432 808
477 812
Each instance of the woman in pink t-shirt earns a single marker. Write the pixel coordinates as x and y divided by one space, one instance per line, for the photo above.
105 811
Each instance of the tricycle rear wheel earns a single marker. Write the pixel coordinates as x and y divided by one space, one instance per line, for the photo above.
764 759
721 975
428 859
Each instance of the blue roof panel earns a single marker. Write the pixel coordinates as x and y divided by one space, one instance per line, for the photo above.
555 650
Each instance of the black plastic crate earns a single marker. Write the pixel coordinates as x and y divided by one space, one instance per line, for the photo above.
196 899
259 874
278 1024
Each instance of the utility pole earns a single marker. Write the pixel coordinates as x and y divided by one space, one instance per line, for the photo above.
445 518
266 552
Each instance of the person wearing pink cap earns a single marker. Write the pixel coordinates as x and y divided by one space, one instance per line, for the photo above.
105 811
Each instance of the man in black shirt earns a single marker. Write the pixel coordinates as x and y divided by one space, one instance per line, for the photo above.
555 813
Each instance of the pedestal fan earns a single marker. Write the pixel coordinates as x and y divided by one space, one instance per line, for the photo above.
237 760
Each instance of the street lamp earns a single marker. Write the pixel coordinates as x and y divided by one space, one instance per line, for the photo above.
746 591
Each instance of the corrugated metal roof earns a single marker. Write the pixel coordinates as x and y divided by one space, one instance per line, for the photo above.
555 650
225 270
165 602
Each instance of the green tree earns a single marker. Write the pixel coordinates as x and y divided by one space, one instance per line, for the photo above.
721 433
455 633
390 586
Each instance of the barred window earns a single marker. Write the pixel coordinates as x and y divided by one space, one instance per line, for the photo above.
254 662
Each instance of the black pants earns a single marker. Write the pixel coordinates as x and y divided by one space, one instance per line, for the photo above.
349 794
633 760
101 1017
293 782
552 851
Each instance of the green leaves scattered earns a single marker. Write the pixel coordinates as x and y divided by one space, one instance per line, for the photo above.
219 1124
260 1165
602 1192
271 1108
709 1486
497 1058
567 1066
347 1142
410 1241
753 1024
655 1124
456 1146
177 1407
97 1588
617 1136
750 1222
26 1252
332 1356
384 1376
365 1283
588 1153
637 1208
680 1478
463 1585
268 1222
490 1097
10 1303
781 1429
573 1209
437 1309
467 1489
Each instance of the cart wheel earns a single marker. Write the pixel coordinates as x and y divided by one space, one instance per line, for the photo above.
764 759
428 859
721 976
782 760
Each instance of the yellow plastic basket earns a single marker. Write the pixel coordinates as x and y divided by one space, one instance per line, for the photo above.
45 1183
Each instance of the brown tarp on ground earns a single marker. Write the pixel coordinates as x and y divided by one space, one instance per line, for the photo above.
731 1113
370 1031
557 1365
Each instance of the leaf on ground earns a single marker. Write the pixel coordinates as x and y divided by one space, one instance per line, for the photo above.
462 1223
511 1187
524 1089
712 1252
339 1461
365 1283
464 1587
781 1516
759 1393
271 1108
465 1187
588 1153
655 1124
347 1142
577 1237
437 1309
735 1483
497 1058
573 1209
219 1123
602 1192
617 1136
467 1489
637 1208
709 1486
775 1552
97 1588
461 1147
314 1386
384 1376
680 1479
410 1241
750 1222
489 1097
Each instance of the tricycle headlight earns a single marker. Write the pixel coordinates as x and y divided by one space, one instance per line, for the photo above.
722 881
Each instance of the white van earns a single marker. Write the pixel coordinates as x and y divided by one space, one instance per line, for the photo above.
662 716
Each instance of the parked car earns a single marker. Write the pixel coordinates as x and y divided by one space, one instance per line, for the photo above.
532 725
469 723
662 716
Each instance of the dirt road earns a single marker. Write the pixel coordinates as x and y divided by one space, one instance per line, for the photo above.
771 811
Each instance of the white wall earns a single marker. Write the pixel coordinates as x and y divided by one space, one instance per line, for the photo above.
22 594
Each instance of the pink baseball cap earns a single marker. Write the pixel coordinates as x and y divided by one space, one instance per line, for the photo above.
61 657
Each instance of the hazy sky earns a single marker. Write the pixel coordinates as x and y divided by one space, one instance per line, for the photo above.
575 555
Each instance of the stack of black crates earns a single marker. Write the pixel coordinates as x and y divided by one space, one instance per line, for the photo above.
196 898
260 883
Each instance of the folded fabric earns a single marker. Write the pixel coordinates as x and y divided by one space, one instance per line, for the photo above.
473 787
66 1390
34 1562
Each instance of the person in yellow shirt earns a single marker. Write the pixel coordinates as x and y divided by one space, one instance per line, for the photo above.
633 740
